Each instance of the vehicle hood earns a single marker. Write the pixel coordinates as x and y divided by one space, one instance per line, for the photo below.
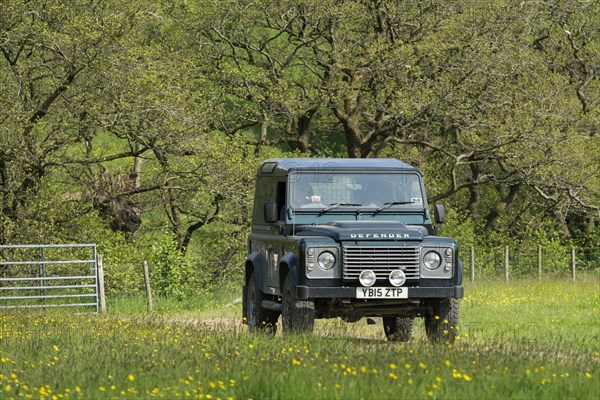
361 231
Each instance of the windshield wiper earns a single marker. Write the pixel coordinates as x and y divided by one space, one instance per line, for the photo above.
336 205
391 203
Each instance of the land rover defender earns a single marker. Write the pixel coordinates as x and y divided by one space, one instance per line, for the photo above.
349 238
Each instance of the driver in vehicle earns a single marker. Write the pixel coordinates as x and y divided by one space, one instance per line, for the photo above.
303 195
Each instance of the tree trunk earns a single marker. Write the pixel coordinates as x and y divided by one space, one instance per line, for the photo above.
562 223
474 193
490 219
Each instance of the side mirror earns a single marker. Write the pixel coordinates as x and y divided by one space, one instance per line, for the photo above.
439 213
271 213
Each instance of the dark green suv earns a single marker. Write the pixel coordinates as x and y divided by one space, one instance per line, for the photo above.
348 238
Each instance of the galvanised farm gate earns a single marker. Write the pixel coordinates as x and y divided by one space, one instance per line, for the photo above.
43 276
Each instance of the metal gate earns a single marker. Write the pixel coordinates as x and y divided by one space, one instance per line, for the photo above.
42 276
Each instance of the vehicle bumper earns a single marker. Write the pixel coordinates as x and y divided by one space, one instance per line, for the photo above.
309 292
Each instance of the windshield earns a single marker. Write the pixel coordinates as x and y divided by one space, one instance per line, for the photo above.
338 191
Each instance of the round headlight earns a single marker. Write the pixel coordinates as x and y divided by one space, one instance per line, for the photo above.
432 260
326 260
367 278
397 277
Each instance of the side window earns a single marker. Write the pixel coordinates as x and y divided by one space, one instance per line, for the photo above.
265 193
257 215
280 200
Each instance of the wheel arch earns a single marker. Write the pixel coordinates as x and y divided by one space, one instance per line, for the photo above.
288 265
254 265
459 269
248 270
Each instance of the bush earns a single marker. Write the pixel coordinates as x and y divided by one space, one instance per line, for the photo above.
170 271
461 227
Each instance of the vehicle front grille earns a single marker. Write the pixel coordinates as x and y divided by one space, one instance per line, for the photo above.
381 260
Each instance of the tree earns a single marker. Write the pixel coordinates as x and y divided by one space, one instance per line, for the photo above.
102 110
48 52
472 92
156 114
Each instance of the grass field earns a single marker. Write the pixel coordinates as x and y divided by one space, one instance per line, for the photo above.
521 340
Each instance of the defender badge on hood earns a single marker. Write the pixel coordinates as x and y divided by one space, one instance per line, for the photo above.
380 235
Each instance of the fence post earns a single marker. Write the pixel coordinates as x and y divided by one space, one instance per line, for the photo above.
43 273
573 263
506 263
472 270
148 290
101 285
539 262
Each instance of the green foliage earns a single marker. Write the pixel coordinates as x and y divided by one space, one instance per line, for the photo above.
218 255
121 260
170 271
523 249
461 227
118 119
556 254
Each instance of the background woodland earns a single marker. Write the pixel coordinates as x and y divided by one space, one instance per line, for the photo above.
138 125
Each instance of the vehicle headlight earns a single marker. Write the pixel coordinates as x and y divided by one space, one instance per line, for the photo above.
397 277
326 260
367 278
432 260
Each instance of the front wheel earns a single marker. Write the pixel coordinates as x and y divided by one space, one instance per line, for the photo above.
398 329
442 322
296 315
259 318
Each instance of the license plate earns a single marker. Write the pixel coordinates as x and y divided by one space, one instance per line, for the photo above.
382 293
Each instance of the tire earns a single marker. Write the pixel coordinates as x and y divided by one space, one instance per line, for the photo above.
259 318
297 316
442 323
398 329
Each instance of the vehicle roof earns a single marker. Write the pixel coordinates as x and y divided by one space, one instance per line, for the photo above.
280 166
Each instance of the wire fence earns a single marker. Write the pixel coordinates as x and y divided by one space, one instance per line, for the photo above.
525 262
